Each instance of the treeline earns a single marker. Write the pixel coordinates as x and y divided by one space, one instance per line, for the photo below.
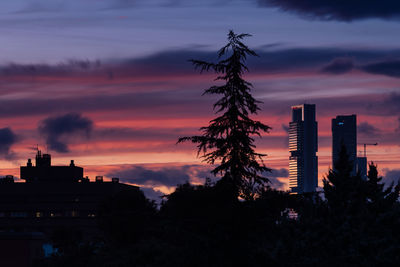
239 220
357 223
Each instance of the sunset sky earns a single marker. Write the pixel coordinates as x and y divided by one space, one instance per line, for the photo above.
108 83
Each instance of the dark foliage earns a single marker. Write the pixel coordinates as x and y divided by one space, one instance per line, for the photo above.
344 192
355 223
127 217
228 139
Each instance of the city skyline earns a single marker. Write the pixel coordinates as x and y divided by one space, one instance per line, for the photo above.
116 75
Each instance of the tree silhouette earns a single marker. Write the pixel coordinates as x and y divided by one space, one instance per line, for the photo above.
380 199
228 139
344 192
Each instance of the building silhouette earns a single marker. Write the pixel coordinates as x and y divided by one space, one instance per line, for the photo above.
362 167
303 145
344 133
53 198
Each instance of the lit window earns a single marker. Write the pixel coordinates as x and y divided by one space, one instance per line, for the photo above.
38 214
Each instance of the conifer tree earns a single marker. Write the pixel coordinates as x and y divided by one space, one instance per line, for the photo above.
344 191
228 139
380 199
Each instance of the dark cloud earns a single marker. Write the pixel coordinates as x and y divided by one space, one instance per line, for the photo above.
62 69
342 10
391 176
291 59
327 59
388 106
398 128
167 176
285 127
379 104
274 175
57 130
152 194
368 130
175 62
388 68
339 66
279 173
142 134
182 103
7 139
172 176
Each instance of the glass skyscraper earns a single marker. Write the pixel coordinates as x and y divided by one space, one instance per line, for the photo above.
303 146
344 132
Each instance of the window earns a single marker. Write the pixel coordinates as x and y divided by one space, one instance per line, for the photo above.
19 214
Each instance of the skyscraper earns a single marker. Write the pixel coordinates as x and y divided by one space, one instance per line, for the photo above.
344 132
303 145
362 167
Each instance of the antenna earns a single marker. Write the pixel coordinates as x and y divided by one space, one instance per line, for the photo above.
365 148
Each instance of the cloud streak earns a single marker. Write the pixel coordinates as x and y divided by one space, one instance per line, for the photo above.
339 66
368 130
389 68
338 10
174 63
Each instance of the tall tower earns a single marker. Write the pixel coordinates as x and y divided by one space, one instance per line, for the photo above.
303 146
344 132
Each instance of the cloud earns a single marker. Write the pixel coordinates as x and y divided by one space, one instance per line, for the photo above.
274 175
142 134
390 105
174 63
285 127
279 173
154 177
57 130
398 128
66 68
166 176
386 104
388 68
367 129
7 139
152 194
347 10
391 176
339 66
